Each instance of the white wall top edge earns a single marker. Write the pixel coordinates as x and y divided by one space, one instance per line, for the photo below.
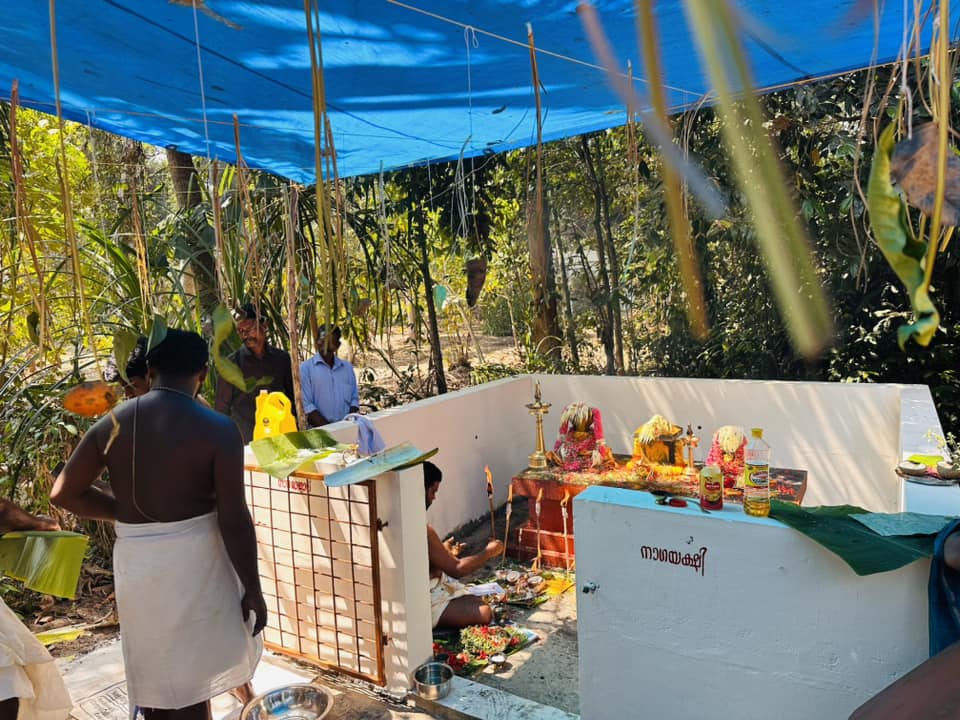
623 497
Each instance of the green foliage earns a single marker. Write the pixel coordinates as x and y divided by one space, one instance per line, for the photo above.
493 371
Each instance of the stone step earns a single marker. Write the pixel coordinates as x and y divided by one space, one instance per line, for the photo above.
469 700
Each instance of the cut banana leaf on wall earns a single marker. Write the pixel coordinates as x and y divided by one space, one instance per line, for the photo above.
858 546
281 455
902 250
399 457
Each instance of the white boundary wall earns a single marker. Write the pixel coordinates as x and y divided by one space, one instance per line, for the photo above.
849 437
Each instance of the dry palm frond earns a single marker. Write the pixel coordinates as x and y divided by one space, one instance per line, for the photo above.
293 291
25 227
69 228
781 238
680 229
332 255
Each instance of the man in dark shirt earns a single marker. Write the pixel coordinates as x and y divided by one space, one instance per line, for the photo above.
256 359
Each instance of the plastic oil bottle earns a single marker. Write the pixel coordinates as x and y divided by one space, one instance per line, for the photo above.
756 475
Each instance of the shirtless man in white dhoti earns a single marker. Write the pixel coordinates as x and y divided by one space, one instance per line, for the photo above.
30 684
450 603
185 560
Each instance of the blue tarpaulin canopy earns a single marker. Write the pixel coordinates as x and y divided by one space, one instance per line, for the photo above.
406 82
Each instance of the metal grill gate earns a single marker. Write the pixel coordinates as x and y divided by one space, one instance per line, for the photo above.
320 571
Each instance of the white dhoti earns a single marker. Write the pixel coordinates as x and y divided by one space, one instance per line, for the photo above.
178 598
443 589
28 672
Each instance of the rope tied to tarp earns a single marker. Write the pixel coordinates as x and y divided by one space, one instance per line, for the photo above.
203 93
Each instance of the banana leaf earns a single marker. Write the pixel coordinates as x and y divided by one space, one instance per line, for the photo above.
862 549
156 333
59 635
281 455
399 457
48 562
124 342
903 252
904 523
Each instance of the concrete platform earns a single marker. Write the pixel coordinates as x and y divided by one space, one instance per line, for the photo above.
99 690
97 685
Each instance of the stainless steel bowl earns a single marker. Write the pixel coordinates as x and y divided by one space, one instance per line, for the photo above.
432 680
291 702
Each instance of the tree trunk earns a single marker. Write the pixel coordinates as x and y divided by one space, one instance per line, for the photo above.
614 259
186 186
186 181
569 330
545 329
606 329
436 352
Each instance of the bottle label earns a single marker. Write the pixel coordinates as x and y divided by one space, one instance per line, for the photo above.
758 479
711 488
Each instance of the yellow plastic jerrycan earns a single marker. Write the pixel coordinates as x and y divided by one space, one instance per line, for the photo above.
273 415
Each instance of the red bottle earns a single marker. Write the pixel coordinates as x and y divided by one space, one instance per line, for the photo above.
711 488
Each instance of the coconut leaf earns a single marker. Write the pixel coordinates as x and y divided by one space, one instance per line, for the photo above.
902 250
48 562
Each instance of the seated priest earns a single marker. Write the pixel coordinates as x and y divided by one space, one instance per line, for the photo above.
451 605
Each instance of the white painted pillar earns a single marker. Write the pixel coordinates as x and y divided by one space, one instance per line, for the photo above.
404 576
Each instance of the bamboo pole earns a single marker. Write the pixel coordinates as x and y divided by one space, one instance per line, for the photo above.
293 291
506 531
493 526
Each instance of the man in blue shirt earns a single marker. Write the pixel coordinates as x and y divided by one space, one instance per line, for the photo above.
328 383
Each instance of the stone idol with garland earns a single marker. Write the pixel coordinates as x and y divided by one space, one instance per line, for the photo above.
580 445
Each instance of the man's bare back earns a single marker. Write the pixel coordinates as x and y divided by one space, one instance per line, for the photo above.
179 446
174 460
